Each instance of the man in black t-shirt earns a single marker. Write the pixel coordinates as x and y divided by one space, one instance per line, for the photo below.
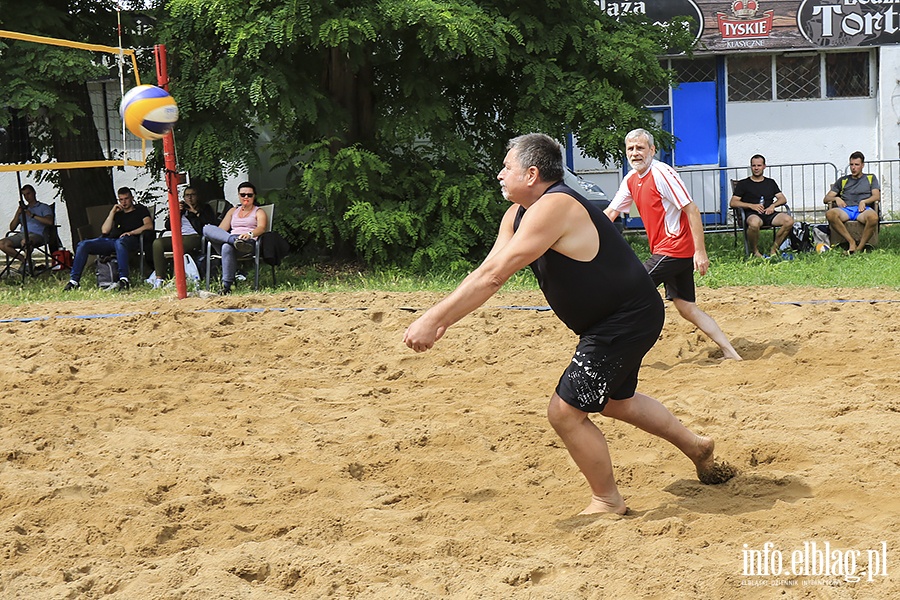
121 231
758 197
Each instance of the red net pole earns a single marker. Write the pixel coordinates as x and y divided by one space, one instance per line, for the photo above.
162 79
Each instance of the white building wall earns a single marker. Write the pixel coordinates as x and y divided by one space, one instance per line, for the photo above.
889 102
801 131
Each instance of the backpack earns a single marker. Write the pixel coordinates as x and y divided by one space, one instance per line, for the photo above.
801 237
107 272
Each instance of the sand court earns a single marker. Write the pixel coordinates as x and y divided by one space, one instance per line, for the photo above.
290 446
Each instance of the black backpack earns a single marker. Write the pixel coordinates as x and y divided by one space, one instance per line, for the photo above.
801 237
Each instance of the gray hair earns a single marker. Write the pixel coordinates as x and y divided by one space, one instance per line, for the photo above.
636 133
541 151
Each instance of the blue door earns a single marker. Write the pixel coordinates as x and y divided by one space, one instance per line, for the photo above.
695 124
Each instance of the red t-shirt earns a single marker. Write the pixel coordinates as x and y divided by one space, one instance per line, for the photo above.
660 196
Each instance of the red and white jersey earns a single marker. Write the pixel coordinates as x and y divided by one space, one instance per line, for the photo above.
660 195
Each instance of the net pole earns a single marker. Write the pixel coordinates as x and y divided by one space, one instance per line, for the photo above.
162 78
121 83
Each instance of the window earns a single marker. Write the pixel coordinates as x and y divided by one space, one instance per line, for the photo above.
797 77
656 96
692 71
749 78
847 74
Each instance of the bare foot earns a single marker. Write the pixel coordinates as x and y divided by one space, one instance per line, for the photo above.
731 354
598 505
757 254
709 470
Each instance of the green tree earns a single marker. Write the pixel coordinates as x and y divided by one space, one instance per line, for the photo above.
392 116
46 86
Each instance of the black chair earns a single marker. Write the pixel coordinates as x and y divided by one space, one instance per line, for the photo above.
737 215
25 253
211 254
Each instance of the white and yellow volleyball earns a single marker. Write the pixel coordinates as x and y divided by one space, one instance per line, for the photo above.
822 247
149 112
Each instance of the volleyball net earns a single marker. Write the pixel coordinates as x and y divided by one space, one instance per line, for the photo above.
27 142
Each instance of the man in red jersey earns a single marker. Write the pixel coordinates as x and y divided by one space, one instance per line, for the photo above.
674 230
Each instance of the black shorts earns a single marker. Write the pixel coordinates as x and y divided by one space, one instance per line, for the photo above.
608 359
766 219
676 273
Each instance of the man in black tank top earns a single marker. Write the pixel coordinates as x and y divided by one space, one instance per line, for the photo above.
598 287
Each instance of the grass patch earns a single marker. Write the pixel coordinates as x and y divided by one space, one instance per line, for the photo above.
877 269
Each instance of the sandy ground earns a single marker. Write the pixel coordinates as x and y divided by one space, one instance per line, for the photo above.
184 449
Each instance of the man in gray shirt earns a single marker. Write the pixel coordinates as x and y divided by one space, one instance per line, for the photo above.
853 198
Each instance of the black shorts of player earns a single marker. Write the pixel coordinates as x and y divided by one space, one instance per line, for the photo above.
676 273
606 364
766 219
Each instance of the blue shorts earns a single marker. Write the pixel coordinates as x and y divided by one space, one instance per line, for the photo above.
853 211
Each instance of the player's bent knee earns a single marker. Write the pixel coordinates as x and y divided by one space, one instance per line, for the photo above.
561 414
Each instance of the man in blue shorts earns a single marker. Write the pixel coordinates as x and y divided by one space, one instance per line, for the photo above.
598 287
853 198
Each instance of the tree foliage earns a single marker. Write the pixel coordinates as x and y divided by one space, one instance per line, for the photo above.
47 87
391 116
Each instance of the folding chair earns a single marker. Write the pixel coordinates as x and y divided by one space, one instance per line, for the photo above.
269 209
25 253
739 224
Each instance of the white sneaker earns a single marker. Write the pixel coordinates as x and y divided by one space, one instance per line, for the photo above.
157 283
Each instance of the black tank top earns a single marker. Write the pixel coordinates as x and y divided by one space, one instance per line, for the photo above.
614 286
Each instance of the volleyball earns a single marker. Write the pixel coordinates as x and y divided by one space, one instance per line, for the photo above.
822 247
149 112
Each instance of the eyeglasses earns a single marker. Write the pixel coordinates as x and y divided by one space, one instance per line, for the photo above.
246 195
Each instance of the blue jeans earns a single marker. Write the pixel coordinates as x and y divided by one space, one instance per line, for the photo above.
224 243
121 247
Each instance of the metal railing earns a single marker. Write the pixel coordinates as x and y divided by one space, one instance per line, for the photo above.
803 184
888 174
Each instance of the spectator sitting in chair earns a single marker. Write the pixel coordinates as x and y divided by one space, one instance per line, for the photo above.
853 198
237 233
36 215
121 233
758 196
195 214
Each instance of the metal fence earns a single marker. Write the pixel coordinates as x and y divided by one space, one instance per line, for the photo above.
803 184
888 174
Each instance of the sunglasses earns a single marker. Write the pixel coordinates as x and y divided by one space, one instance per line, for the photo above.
246 195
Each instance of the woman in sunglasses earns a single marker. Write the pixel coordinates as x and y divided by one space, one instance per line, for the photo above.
236 235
